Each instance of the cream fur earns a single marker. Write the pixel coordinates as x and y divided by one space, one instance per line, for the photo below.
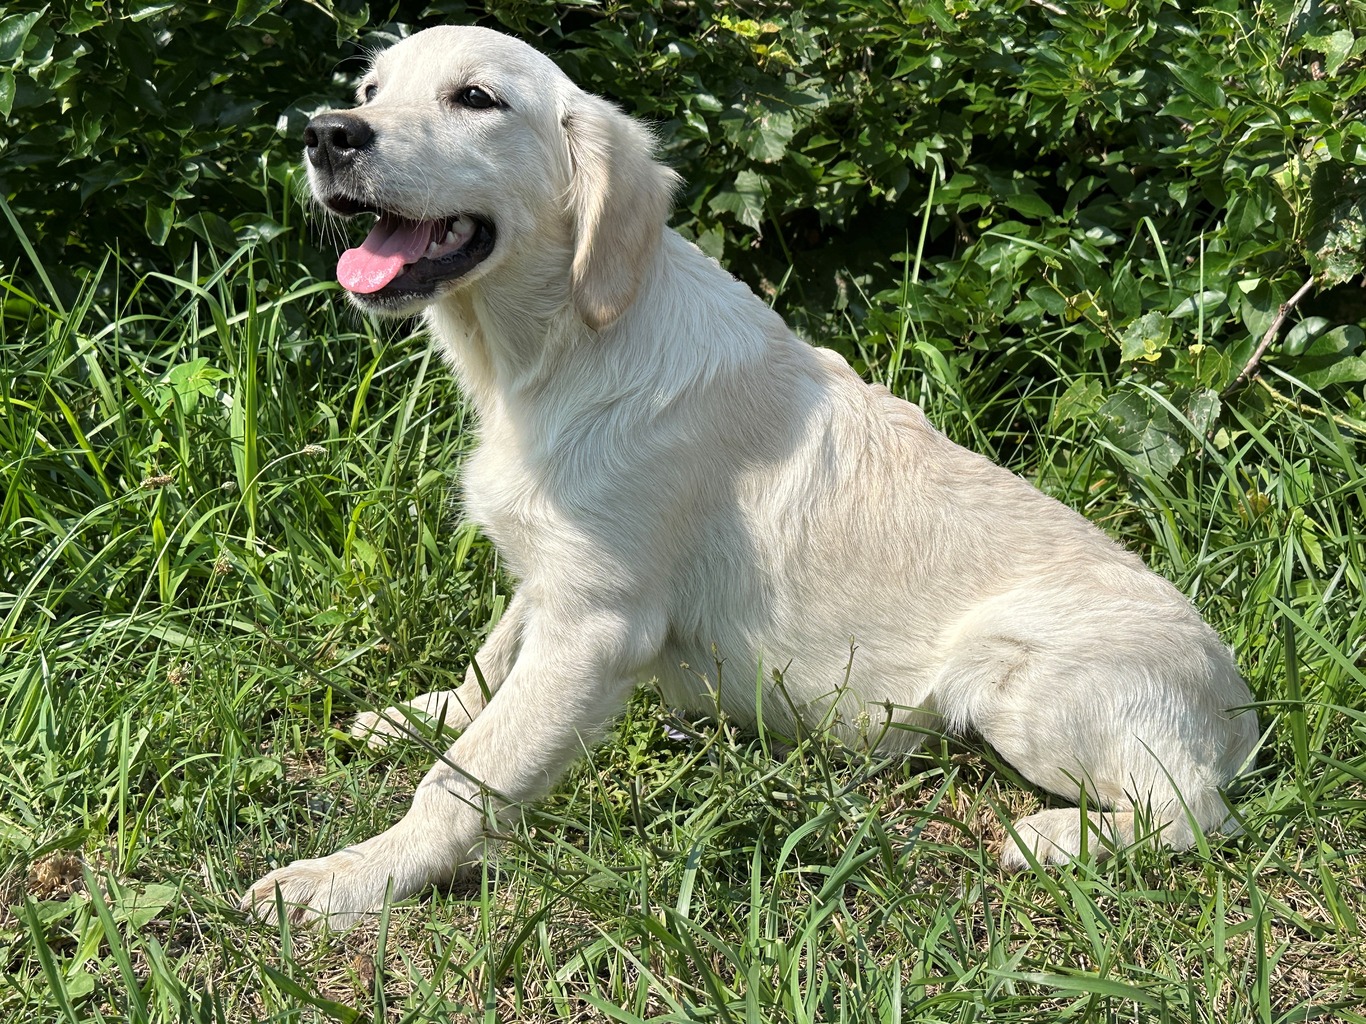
669 472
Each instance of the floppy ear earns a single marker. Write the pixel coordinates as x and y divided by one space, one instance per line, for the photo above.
619 198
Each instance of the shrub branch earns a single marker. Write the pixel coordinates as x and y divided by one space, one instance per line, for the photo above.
1252 365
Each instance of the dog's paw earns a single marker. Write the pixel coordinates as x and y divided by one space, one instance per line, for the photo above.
339 890
1054 837
418 719
377 729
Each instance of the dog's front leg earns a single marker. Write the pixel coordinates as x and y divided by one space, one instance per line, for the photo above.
569 679
453 709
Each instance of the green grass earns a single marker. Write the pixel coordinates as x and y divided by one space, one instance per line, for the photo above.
227 525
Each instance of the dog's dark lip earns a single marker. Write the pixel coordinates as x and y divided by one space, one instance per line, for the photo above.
347 206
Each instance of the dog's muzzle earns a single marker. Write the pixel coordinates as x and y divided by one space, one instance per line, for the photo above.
406 256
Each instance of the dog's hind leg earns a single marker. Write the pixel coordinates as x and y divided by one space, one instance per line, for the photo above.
1142 726
449 709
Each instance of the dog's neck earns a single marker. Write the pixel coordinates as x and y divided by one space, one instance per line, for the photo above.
523 346
504 341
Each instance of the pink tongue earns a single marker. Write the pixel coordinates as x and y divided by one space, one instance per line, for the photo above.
390 244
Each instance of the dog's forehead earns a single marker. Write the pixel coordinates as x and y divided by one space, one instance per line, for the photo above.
456 55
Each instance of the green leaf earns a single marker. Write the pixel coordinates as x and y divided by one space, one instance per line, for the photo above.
365 552
1344 371
1200 82
143 906
1336 48
1303 333
14 32
1340 341
1338 239
6 93
249 10
1331 358
1081 982
79 985
158 221
194 379
1079 402
49 912
1260 304
329 1007
746 198
145 10
257 228
1028 204
1048 299
1203 410
1144 433
1206 302
1145 338
763 134
1020 194
213 229
79 21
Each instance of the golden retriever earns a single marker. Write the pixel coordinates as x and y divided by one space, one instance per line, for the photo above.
674 478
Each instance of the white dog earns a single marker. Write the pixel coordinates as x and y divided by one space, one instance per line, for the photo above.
673 477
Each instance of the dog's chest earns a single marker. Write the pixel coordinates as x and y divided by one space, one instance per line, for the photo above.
506 497
544 514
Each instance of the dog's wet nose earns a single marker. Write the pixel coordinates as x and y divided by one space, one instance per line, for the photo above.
333 139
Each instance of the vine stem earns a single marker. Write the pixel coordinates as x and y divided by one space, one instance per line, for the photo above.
1250 368
1355 426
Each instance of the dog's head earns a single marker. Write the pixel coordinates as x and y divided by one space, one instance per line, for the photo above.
473 151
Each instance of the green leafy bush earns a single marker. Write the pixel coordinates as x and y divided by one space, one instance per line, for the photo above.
1148 181
147 125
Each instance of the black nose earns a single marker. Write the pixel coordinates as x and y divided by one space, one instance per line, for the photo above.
333 139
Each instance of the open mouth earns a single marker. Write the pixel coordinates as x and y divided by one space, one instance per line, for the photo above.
405 259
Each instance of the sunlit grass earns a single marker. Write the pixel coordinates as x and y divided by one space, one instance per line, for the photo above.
227 525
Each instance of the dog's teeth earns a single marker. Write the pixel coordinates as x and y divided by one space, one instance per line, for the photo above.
432 249
450 237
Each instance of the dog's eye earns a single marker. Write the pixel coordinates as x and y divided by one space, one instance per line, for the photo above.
475 98
369 92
